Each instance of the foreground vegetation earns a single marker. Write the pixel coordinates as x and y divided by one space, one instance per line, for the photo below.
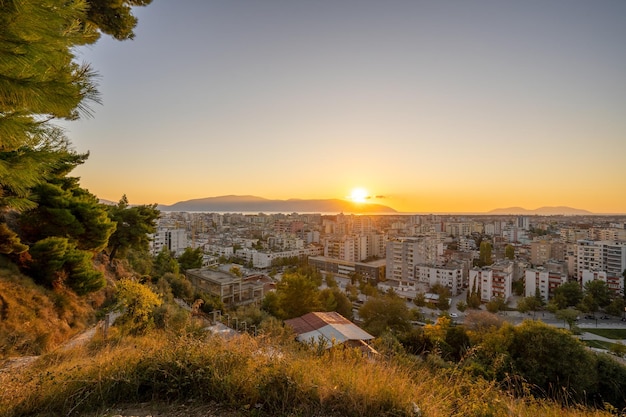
266 375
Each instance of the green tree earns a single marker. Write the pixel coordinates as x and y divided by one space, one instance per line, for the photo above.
133 226
333 299
296 296
509 252
331 282
190 259
385 312
472 298
164 263
527 304
568 315
616 308
114 17
41 82
551 359
496 304
568 294
484 258
66 210
599 292
55 261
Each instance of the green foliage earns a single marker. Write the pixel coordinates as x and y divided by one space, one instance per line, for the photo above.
597 293
568 315
330 280
420 299
509 252
527 304
518 287
385 312
66 210
190 259
472 297
9 241
485 257
133 226
568 294
551 358
333 299
164 263
295 296
611 382
114 17
40 82
616 307
496 304
56 262
138 303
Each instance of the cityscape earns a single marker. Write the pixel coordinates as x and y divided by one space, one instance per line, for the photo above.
529 255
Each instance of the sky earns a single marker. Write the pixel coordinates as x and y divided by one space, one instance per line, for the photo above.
429 106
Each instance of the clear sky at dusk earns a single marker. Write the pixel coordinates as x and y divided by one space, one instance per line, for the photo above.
437 106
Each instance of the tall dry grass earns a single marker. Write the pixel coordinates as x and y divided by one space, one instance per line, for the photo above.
255 375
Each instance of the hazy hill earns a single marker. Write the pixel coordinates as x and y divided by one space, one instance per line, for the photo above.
248 203
546 211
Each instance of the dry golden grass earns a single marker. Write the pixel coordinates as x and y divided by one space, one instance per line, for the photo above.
254 375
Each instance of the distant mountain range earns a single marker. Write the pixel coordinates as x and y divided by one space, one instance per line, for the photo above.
253 204
545 211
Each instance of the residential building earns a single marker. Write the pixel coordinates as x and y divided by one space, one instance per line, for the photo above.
542 281
450 276
492 281
231 289
174 240
403 254
373 271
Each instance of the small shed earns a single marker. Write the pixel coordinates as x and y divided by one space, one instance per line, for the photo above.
330 328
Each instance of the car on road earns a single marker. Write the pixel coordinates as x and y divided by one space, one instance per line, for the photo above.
454 315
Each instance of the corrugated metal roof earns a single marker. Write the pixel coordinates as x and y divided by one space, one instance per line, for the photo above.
327 327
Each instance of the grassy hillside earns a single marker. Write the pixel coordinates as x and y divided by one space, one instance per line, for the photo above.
257 376
34 319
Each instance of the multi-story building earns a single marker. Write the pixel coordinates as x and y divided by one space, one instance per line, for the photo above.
174 240
231 289
450 276
607 256
492 281
542 281
373 271
615 283
403 254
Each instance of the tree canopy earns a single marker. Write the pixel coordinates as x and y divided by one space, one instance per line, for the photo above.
134 223
40 83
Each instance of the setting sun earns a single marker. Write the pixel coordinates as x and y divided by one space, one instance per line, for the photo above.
359 195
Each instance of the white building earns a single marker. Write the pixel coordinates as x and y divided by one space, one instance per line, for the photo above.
594 255
175 240
543 281
492 281
448 276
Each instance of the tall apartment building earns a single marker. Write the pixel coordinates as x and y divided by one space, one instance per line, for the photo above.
403 254
492 281
604 260
175 240
607 256
543 281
